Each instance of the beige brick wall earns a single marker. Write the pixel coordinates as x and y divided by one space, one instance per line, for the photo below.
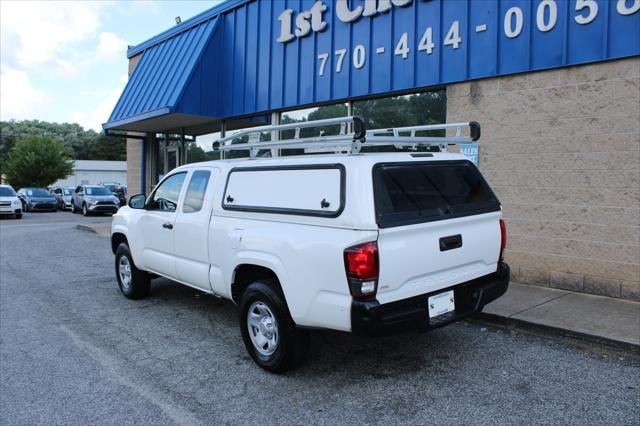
561 149
134 165
134 148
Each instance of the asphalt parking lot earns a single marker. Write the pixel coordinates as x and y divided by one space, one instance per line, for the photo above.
73 350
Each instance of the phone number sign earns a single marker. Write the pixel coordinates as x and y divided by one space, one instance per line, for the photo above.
274 55
361 47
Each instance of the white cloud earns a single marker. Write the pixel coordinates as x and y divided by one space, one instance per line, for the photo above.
45 30
94 119
18 98
53 34
111 47
41 41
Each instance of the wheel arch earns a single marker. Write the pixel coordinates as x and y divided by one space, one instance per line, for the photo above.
118 238
246 273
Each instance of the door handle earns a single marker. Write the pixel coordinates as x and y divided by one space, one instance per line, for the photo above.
450 243
167 225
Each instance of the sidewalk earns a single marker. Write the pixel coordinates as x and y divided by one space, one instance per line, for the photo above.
617 320
599 317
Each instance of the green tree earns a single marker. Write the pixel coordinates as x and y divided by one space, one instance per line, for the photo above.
85 144
38 161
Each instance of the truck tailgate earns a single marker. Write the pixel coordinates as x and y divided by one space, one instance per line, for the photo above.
413 262
439 226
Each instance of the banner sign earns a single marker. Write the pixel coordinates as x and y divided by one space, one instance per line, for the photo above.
470 150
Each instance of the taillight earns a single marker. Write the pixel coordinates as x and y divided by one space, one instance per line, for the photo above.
361 265
503 237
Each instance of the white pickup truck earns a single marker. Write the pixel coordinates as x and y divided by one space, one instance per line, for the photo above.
370 243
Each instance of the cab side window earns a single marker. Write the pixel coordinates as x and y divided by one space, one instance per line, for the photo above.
195 191
166 195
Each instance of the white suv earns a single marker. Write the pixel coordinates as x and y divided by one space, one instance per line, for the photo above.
10 204
366 243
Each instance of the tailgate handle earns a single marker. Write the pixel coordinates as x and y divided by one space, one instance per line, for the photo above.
450 243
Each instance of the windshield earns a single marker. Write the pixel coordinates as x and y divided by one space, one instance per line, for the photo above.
408 193
97 190
67 191
38 192
6 191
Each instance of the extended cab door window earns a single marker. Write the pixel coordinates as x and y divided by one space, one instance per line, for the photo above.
196 190
165 198
191 233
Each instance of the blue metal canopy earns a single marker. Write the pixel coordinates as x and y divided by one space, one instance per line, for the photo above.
162 76
268 55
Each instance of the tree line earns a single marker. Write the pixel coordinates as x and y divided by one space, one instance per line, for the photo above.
37 153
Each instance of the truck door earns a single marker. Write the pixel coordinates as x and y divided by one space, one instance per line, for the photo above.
192 227
157 226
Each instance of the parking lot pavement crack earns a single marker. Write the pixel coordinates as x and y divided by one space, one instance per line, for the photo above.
535 306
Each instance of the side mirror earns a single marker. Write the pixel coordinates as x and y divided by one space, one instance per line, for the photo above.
137 201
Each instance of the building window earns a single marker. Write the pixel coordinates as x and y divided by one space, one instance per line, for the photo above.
400 111
202 148
311 114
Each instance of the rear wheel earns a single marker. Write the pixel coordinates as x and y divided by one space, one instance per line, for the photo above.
133 283
268 331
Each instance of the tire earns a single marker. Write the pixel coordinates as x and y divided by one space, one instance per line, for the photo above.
290 344
73 207
85 212
133 283
18 215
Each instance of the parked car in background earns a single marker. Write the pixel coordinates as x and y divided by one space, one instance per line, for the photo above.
63 197
93 199
37 199
10 204
118 190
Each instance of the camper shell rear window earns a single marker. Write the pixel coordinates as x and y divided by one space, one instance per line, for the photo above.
416 192
307 190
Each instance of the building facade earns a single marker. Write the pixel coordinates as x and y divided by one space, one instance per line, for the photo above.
94 172
555 85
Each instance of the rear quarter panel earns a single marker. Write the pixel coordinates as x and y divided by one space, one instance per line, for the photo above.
308 260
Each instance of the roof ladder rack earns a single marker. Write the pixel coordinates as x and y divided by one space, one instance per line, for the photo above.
351 138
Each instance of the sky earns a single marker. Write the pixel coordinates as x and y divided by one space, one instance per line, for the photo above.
65 61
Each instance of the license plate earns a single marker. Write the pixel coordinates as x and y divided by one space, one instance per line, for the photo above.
441 303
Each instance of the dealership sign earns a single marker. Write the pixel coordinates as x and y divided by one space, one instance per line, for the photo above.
271 55
545 18
312 20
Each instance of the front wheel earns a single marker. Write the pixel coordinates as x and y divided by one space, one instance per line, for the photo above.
134 283
18 215
85 211
268 331
73 207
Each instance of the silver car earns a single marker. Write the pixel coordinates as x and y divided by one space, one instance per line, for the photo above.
63 196
90 199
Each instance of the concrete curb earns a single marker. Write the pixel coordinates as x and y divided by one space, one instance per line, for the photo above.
541 330
86 228
102 229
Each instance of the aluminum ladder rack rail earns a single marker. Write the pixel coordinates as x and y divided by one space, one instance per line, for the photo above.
350 142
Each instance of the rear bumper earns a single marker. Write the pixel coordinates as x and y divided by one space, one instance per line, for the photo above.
370 318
